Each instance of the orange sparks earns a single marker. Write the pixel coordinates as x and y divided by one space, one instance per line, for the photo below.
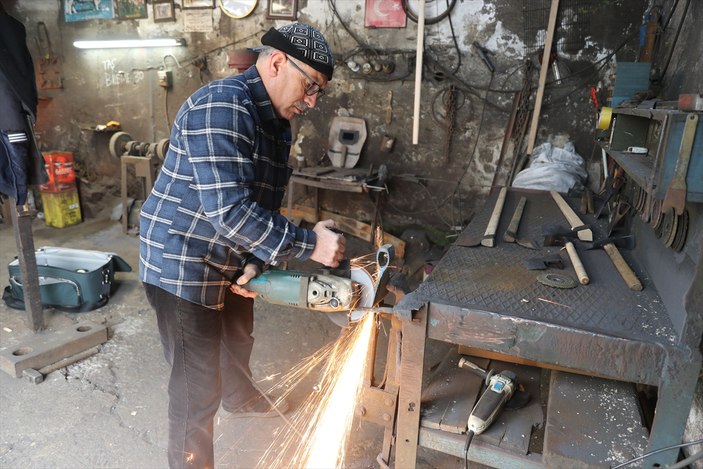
317 433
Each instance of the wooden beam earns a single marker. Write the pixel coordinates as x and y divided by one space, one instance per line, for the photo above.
418 69
543 75
347 225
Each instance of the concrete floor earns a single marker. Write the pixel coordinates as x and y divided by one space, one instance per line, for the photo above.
110 410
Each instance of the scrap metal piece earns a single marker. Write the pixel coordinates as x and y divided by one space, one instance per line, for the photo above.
676 194
555 280
541 263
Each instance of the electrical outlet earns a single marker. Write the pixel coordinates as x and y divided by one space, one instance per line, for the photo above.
164 77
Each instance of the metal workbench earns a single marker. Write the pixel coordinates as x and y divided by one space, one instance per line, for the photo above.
486 299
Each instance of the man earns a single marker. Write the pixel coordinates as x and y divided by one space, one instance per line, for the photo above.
214 208
21 163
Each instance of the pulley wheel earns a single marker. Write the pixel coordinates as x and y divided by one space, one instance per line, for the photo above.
118 142
656 217
669 225
681 232
555 280
161 148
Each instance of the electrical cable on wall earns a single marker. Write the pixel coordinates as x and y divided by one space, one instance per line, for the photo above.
412 15
657 451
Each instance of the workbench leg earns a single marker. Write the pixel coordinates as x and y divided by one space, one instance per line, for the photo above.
123 193
391 386
24 239
411 367
290 190
316 203
676 390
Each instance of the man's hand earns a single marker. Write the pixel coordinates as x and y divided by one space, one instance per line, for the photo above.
330 246
249 272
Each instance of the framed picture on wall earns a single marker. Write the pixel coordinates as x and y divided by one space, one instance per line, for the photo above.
188 4
282 9
130 9
84 10
164 11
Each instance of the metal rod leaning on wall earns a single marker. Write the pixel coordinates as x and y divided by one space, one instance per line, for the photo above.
543 75
418 69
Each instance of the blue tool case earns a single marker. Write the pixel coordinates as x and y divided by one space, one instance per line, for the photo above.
73 280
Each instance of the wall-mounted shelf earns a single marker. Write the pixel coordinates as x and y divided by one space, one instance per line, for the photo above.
661 132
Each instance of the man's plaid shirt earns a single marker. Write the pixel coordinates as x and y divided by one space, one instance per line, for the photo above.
217 197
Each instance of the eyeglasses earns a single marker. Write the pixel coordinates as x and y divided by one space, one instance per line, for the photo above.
312 88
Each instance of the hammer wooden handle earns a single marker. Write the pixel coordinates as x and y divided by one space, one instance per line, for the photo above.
570 215
576 262
511 232
625 271
489 235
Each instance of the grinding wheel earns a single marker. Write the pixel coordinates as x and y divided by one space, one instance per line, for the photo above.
118 143
366 284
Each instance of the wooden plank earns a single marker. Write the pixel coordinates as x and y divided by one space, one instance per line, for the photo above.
480 452
410 393
592 422
50 347
463 349
543 75
330 184
347 225
571 217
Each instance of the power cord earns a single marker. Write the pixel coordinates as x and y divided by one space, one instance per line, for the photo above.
469 437
660 450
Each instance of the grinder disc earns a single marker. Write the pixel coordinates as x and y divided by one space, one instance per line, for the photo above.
366 295
552 279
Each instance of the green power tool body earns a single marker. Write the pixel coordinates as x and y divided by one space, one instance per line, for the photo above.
324 292
320 292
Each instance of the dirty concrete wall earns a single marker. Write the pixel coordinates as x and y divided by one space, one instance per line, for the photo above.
439 182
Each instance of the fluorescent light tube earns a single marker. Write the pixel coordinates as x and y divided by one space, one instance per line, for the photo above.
134 43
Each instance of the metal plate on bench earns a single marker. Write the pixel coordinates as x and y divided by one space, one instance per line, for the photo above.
495 280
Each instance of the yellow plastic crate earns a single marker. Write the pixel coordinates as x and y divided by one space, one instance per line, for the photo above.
61 209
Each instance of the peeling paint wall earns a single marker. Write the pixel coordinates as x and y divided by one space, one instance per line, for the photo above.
439 182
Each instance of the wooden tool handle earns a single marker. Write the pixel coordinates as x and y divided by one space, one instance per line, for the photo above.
511 232
489 235
572 218
625 271
576 262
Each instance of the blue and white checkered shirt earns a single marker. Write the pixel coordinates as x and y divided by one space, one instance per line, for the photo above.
217 197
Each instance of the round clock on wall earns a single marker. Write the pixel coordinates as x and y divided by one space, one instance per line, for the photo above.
237 8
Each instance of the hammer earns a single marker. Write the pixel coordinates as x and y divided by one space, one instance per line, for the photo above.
565 240
609 245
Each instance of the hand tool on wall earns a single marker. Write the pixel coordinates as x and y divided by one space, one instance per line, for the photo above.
676 194
484 54
572 218
489 235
